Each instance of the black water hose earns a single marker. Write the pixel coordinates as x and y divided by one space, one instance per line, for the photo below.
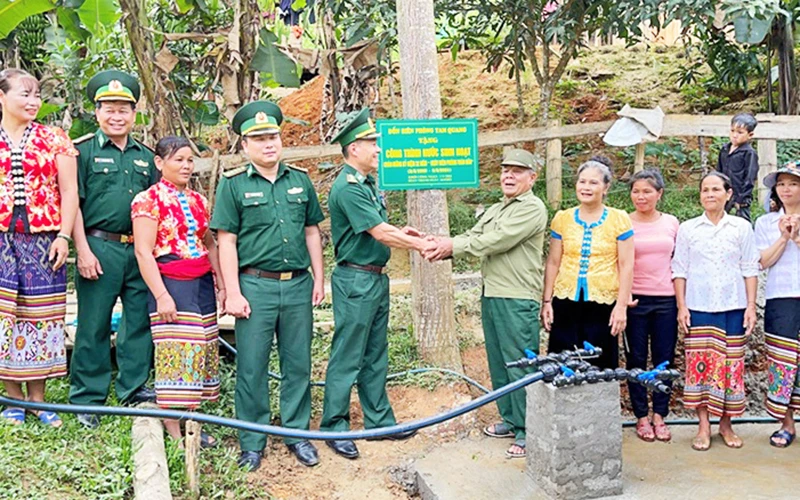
321 383
275 430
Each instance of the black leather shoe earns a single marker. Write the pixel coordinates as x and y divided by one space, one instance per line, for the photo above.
345 448
249 460
400 436
305 452
142 395
88 420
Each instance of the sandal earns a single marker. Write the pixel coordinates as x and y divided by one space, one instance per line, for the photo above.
207 441
645 431
662 432
14 416
735 441
519 443
49 418
701 443
499 430
787 437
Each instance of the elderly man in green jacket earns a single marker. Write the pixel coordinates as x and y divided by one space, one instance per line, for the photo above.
509 240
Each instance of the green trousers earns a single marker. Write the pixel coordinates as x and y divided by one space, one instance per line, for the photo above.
90 366
359 352
281 308
509 326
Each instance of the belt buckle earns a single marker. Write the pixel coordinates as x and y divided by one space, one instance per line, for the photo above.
286 276
124 238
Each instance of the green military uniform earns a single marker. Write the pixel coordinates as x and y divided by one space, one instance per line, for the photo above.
359 353
269 220
108 179
509 240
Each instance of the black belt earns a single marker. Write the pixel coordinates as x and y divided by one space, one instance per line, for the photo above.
105 235
371 269
282 276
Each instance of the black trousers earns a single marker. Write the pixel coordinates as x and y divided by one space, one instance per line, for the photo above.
655 322
574 322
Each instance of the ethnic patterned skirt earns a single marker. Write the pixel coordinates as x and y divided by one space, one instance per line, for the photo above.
33 303
781 330
187 351
715 362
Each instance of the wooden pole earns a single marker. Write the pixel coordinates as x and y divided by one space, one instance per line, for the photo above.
150 472
431 284
767 163
554 171
192 456
638 162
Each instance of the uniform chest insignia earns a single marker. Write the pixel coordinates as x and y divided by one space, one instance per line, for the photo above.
254 195
351 179
295 190
103 160
140 163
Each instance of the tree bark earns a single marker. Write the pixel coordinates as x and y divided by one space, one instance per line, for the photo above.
432 284
787 71
151 78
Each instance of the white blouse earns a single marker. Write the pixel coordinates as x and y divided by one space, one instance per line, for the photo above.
783 277
714 260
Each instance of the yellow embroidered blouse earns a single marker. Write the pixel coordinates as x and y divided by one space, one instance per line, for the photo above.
589 254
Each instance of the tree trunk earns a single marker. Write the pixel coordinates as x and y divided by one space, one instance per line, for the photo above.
787 71
432 284
248 34
160 109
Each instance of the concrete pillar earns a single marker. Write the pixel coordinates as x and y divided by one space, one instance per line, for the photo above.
574 440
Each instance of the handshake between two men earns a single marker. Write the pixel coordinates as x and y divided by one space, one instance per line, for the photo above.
432 248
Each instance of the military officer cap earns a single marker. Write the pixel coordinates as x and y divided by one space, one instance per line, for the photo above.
354 126
113 85
258 118
520 158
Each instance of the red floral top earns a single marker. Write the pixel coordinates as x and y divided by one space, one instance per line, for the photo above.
40 171
182 218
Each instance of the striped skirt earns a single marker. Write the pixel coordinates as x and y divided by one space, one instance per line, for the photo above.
781 331
715 362
187 351
33 303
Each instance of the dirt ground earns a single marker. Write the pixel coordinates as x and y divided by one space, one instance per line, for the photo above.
380 472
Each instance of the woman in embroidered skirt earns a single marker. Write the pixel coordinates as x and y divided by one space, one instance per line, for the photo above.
778 240
177 256
652 317
589 271
715 272
38 205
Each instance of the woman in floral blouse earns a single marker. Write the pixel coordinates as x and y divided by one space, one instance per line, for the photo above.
38 205
715 273
177 256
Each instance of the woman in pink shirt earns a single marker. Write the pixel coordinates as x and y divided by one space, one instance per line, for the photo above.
652 317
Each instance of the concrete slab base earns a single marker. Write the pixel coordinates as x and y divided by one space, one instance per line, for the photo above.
476 468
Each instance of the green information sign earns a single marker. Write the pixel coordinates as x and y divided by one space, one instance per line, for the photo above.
428 154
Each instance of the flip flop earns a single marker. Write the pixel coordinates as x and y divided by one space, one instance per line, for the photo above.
662 432
701 443
732 443
49 418
520 443
787 436
15 416
645 431
498 430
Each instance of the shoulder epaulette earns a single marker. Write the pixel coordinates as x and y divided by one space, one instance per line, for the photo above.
351 179
295 167
234 172
83 138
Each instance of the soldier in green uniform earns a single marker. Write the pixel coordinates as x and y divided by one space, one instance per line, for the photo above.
509 240
112 168
266 217
360 287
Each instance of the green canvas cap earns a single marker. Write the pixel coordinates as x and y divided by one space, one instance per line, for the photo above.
113 85
355 126
520 158
258 118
